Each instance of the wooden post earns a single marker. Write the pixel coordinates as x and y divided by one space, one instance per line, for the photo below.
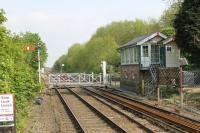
110 78
157 84
181 87
142 87
158 95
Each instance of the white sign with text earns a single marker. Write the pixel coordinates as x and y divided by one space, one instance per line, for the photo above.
6 107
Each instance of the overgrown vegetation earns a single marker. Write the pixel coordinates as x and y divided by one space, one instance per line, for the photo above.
187 25
18 68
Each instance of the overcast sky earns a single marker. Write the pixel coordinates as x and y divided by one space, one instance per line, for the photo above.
60 23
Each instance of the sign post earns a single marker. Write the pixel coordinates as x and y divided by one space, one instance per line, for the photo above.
7 113
39 70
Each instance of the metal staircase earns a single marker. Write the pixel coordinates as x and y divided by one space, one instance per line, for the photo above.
150 85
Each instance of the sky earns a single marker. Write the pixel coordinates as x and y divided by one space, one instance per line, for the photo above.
61 23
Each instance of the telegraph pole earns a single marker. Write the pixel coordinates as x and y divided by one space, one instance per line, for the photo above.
39 71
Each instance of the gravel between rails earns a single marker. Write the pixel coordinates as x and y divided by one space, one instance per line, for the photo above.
63 120
141 120
116 117
88 119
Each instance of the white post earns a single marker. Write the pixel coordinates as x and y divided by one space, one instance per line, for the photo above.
92 77
89 77
103 65
79 78
39 71
100 77
84 77
62 65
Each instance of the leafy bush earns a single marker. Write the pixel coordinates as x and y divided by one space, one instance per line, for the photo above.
18 71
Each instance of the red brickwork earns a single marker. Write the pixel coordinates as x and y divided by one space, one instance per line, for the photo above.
130 72
130 77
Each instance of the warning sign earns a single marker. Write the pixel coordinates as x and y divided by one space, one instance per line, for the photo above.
6 107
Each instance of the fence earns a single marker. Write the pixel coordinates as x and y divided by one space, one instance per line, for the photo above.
74 79
191 87
191 79
171 79
167 79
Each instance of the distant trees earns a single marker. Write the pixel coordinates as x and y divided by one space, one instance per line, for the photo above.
183 16
187 25
103 46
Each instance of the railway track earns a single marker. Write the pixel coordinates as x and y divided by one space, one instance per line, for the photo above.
178 123
86 117
124 121
63 122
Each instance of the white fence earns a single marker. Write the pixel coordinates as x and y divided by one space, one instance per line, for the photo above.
75 79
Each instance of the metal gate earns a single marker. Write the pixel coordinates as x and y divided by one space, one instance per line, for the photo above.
74 79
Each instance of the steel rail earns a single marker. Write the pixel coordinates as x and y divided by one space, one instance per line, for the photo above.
183 123
69 110
121 113
138 112
109 121
146 104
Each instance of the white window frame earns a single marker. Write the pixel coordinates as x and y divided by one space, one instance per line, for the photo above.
136 55
168 46
131 55
126 54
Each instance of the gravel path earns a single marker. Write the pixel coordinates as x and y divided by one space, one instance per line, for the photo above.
49 117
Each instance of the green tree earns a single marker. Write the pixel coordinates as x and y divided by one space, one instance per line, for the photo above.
168 16
33 39
103 46
187 26
169 31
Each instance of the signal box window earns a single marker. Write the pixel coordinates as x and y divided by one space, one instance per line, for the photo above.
169 48
145 51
